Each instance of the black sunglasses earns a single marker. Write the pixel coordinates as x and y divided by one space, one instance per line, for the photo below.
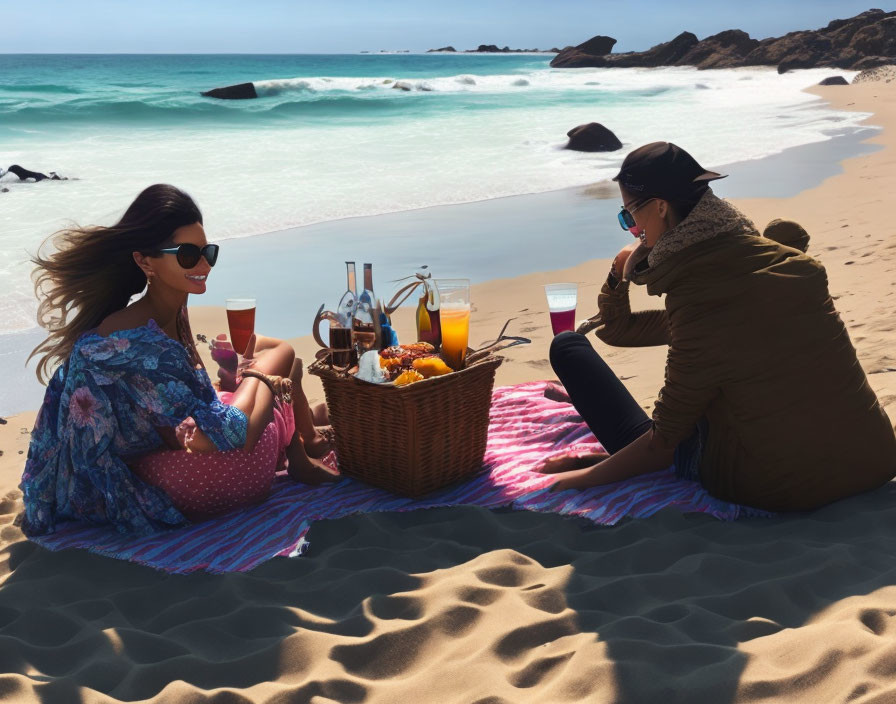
188 254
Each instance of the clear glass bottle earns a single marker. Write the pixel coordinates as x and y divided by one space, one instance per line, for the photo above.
346 309
364 335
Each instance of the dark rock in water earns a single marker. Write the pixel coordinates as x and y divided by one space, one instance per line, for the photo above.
593 137
834 81
554 50
240 91
488 48
444 48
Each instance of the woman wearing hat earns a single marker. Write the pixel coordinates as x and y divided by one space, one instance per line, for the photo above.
764 400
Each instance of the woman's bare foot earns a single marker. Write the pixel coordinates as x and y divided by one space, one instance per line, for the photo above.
556 392
571 460
307 469
318 446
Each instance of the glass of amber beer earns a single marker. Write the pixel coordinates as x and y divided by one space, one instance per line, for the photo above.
241 320
454 314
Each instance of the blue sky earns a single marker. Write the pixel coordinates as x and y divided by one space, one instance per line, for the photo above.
348 26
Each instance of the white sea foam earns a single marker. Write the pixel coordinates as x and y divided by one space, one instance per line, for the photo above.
250 179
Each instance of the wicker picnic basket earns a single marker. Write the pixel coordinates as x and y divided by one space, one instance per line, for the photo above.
413 439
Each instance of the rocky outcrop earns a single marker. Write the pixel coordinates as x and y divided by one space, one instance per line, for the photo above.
585 54
493 49
240 91
447 49
860 42
723 50
665 54
872 62
864 41
593 137
834 81
598 46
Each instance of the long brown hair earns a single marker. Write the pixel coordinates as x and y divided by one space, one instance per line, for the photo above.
92 271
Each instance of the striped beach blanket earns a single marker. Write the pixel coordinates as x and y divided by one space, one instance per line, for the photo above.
525 427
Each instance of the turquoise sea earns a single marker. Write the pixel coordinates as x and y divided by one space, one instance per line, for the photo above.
331 138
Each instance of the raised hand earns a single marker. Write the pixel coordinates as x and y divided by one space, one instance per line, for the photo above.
621 258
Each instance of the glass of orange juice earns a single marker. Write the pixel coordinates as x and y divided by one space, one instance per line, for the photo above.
454 314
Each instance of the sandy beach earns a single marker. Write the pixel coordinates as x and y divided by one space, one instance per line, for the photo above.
467 605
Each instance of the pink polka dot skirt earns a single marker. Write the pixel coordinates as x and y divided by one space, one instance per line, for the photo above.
205 484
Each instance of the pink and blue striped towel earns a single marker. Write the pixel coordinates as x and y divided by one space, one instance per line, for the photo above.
525 427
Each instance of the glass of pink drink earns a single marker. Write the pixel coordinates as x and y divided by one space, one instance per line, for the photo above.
562 306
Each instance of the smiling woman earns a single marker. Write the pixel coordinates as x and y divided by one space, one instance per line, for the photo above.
130 381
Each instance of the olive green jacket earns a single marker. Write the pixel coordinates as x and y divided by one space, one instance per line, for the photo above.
756 348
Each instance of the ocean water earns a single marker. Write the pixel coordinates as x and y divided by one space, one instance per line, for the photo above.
330 137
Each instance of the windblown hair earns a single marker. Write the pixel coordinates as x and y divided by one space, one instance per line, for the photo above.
92 271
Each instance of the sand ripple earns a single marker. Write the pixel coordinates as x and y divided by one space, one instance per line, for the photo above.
466 605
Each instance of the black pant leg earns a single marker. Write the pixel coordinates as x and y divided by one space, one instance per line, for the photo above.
598 395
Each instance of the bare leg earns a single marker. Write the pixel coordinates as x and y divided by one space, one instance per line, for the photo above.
302 467
253 397
315 443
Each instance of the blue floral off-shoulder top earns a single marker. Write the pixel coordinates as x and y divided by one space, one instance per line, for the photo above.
102 408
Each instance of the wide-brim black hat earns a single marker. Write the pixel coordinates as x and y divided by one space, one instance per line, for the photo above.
663 170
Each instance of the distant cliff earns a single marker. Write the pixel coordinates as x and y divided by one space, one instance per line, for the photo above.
861 42
493 49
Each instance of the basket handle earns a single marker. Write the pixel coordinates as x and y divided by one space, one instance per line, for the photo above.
502 342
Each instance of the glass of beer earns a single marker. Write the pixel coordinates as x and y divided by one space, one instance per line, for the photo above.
454 314
241 320
562 306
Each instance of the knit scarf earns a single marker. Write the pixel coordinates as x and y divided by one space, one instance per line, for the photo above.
710 218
